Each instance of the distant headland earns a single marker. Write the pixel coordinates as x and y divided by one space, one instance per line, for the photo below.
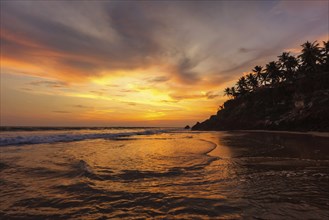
289 94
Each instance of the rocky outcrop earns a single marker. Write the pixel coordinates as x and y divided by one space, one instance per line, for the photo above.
302 105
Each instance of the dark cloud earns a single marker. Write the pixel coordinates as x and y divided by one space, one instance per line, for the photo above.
245 50
185 70
135 44
86 39
212 94
158 79
182 97
47 33
136 28
51 84
177 97
62 112
81 65
81 106
135 25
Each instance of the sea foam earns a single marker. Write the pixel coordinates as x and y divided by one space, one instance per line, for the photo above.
8 138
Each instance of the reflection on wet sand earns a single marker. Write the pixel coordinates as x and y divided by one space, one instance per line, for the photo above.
171 175
278 145
284 175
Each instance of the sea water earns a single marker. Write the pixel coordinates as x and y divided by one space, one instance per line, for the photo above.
143 173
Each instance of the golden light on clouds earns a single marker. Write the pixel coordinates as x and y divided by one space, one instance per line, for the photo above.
120 67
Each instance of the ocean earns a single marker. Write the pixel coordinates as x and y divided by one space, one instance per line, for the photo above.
161 173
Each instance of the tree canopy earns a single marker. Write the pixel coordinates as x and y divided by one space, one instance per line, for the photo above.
288 68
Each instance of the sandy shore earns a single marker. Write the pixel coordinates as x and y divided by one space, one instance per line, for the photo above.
313 133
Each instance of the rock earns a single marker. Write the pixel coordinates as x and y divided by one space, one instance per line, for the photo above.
299 104
187 127
196 126
286 107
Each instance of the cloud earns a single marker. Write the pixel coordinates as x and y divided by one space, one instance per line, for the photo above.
131 103
178 96
158 79
199 44
128 90
116 61
169 101
113 85
81 106
245 50
75 53
52 84
62 112
185 70
212 94
98 93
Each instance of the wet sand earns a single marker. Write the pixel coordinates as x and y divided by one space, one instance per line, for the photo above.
173 175
313 133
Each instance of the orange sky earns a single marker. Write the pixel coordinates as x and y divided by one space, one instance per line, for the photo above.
107 63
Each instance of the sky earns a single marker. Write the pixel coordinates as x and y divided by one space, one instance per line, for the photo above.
139 63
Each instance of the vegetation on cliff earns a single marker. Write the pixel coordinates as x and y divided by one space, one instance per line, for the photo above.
291 93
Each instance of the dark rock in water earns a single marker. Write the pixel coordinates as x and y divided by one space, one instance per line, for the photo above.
187 127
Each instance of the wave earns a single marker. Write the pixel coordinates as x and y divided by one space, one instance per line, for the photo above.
83 169
41 138
35 128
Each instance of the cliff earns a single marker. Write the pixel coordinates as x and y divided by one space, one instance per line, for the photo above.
302 105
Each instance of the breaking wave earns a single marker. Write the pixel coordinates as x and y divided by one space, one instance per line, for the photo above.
68 136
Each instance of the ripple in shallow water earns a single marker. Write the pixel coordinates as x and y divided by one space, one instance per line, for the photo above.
175 175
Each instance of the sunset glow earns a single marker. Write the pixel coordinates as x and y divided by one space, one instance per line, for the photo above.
112 63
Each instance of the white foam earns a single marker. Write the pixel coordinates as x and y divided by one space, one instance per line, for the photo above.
46 137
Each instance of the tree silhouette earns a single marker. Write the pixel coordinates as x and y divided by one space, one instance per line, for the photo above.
283 59
273 72
233 92
227 91
288 65
242 86
258 70
311 56
252 81
312 60
325 54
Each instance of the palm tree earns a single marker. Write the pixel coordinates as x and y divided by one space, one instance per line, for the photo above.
264 78
252 81
227 92
233 92
242 86
258 70
283 59
288 65
311 56
325 53
273 72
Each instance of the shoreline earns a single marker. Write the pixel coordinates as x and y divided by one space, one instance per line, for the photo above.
312 133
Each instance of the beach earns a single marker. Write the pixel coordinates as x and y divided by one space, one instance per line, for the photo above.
145 173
